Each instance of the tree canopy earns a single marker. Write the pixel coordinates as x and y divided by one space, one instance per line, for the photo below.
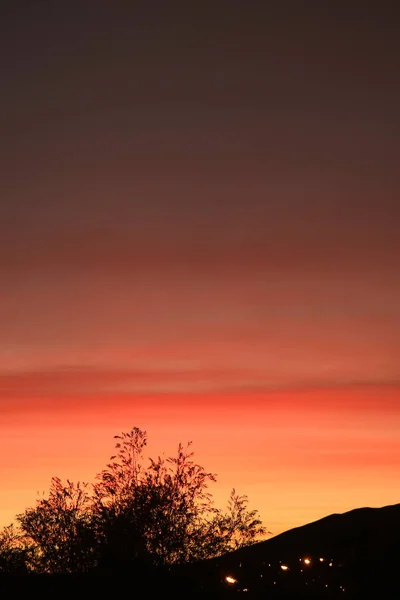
154 512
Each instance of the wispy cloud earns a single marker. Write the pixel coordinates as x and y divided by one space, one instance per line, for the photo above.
70 381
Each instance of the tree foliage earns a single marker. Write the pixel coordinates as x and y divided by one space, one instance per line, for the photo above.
148 512
60 529
14 551
163 509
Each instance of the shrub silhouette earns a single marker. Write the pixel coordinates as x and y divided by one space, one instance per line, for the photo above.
59 530
14 552
133 515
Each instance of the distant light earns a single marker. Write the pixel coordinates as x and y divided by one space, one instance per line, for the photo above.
307 561
230 579
331 564
245 589
321 560
284 567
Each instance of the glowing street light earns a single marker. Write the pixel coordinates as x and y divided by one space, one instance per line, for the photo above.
230 579
284 567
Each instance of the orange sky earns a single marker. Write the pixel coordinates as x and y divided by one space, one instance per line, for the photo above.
298 454
199 236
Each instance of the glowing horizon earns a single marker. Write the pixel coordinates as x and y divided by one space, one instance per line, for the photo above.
314 461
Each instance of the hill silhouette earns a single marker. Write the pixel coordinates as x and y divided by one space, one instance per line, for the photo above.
356 553
354 534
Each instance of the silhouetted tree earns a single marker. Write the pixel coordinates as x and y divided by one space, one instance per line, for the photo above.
164 513
159 514
14 551
151 513
60 529
238 527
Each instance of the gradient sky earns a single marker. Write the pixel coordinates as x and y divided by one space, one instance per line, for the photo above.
200 236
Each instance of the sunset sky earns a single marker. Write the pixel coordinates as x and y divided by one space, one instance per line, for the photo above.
200 236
